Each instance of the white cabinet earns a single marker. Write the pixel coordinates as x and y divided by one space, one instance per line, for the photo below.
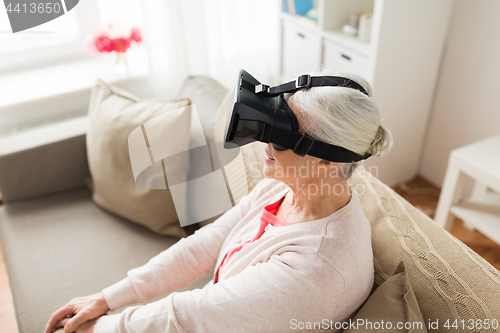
343 59
301 50
401 62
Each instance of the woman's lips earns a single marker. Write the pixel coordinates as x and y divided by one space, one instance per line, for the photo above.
269 156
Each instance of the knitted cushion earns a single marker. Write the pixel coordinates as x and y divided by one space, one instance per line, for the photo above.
449 280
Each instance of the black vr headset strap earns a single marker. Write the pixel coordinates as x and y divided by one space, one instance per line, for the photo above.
303 144
308 81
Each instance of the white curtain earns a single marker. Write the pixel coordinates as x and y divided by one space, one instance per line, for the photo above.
210 37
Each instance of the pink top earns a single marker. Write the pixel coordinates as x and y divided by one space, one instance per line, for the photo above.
268 217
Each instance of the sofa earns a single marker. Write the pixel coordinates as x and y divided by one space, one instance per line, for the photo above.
58 244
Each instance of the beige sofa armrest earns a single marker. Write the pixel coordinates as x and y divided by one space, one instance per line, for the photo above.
44 160
450 280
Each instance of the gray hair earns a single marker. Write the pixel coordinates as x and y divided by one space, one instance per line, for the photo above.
343 117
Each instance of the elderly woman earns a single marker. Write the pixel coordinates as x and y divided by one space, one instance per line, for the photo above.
293 254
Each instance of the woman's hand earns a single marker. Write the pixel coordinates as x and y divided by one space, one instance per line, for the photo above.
86 327
78 311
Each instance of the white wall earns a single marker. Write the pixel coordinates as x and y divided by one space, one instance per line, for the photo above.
466 104
210 37
407 62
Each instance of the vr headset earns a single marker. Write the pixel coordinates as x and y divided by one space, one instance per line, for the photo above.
260 113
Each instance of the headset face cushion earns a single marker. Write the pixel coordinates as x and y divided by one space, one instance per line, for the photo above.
293 120
278 147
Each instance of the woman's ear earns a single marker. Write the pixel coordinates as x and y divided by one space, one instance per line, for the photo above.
329 169
323 168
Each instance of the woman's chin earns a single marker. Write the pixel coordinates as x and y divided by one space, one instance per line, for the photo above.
269 168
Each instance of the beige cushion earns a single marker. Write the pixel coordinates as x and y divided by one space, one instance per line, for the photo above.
114 113
207 95
449 280
391 305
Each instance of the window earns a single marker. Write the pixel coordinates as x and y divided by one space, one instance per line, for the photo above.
129 11
61 39
62 29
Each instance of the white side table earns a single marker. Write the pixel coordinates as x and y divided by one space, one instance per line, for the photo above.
481 161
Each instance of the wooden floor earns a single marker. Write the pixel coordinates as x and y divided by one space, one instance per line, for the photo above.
481 244
8 322
427 202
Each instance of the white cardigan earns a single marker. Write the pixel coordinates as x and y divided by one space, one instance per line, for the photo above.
297 276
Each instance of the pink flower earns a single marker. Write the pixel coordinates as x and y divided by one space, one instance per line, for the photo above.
116 37
120 45
103 43
136 35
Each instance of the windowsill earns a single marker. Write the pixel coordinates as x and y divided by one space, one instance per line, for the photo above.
42 83
43 135
45 95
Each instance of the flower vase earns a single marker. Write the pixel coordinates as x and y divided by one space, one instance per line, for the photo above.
120 66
